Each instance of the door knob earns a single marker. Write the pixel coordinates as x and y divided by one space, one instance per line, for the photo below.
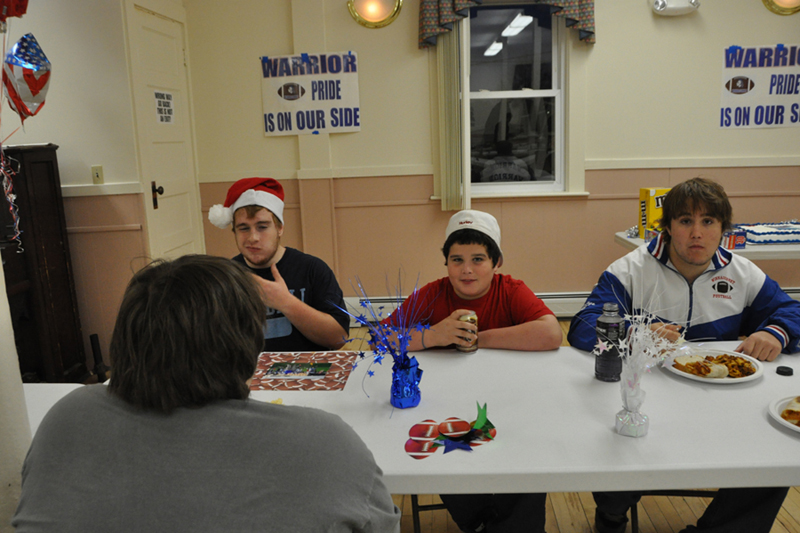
156 191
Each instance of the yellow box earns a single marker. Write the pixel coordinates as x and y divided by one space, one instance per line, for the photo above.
650 200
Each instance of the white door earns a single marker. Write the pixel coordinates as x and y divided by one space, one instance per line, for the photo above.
164 133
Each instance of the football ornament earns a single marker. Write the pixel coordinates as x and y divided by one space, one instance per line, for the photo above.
421 449
454 427
452 434
26 77
425 430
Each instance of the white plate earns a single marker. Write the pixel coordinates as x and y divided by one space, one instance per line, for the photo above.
722 381
777 407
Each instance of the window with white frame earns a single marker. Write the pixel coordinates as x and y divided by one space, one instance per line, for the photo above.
514 133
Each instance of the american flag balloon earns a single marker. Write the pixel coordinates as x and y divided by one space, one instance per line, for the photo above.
26 76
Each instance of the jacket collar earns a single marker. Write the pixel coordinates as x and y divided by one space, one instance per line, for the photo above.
659 249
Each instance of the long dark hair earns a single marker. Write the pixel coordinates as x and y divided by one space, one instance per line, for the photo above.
188 333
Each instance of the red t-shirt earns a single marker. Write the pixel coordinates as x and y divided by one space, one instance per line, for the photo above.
509 302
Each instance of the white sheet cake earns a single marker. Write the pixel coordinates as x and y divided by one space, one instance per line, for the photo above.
782 233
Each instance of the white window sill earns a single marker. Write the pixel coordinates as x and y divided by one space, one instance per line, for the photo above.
511 196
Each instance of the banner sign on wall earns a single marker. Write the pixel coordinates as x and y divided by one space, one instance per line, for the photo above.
760 87
310 93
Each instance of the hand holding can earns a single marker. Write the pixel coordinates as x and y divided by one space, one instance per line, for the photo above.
471 317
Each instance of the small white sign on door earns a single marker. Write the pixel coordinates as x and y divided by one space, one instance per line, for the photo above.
164 107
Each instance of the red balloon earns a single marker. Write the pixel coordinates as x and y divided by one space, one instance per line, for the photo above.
12 8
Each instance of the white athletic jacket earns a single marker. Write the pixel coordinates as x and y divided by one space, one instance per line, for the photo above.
732 297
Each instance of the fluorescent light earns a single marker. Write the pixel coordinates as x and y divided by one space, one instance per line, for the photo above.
493 49
519 23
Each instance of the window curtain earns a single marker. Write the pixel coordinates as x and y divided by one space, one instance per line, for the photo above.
451 162
438 16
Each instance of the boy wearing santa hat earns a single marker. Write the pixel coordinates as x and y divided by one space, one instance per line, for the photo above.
300 290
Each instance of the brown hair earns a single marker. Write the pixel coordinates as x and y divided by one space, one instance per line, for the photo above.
188 333
251 211
696 194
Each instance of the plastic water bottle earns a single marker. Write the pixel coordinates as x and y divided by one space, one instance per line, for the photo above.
610 329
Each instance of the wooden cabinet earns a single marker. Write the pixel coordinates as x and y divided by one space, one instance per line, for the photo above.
39 279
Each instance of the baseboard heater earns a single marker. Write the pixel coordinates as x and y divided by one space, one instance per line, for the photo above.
563 304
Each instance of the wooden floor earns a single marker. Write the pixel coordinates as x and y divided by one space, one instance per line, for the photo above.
573 512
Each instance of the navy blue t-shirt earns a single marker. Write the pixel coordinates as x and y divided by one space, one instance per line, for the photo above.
311 280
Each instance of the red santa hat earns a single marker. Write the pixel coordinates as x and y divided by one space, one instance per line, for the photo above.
264 192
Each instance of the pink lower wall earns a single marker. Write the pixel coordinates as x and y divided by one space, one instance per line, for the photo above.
374 228
107 245
381 226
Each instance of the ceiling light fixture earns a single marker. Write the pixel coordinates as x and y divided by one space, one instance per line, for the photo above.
494 49
519 23
374 13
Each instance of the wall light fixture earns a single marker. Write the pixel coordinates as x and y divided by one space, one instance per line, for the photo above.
374 13
672 8
783 7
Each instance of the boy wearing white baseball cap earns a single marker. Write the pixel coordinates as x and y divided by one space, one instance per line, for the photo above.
510 316
300 290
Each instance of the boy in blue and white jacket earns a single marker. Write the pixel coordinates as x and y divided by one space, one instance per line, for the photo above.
733 297
695 287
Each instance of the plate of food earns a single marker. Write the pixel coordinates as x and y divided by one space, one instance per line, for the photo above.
786 412
716 366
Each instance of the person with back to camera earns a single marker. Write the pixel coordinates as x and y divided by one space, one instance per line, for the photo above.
679 270
304 301
173 443
505 166
510 316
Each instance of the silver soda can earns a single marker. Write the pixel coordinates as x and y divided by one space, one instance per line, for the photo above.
472 318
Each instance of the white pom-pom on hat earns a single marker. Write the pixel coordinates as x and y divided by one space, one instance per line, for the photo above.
220 216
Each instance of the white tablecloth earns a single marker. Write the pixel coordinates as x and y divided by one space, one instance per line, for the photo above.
555 425
754 252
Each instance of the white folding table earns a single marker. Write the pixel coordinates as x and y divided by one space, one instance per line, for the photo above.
753 252
555 425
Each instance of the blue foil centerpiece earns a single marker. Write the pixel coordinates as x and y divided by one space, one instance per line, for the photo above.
405 384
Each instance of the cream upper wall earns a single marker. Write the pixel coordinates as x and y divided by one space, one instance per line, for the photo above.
654 86
225 47
646 95
623 112
394 91
87 110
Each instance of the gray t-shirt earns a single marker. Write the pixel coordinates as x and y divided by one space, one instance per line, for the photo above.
98 464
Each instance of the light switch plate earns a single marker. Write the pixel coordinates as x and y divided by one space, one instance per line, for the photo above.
97 174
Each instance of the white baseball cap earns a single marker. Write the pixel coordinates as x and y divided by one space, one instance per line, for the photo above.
478 221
